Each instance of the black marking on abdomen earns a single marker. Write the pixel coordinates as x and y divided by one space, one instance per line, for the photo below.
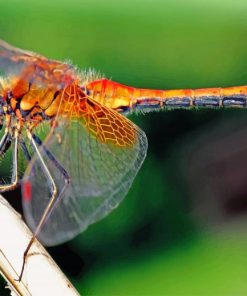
147 104
234 101
123 109
178 102
207 101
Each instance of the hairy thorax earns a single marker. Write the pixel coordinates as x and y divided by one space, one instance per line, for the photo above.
30 103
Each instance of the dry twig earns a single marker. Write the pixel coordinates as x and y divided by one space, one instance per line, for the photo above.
41 274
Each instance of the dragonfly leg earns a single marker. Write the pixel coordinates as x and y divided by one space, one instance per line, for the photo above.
25 151
5 143
53 159
4 146
58 166
55 197
53 189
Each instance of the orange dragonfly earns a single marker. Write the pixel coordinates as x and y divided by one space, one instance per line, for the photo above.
91 152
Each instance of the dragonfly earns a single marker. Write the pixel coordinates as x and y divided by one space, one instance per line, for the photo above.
82 152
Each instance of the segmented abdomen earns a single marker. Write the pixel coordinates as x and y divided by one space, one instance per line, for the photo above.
125 99
200 98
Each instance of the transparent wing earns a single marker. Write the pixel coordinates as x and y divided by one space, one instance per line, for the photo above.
102 152
16 53
28 67
13 60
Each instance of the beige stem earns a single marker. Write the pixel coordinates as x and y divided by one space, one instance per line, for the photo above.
41 275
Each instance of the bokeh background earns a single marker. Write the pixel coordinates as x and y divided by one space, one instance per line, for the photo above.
181 230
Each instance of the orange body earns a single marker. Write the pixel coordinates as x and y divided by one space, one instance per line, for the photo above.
93 102
92 153
123 98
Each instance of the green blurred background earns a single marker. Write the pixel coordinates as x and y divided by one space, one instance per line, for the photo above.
181 230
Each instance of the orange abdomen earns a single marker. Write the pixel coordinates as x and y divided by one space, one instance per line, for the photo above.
126 99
